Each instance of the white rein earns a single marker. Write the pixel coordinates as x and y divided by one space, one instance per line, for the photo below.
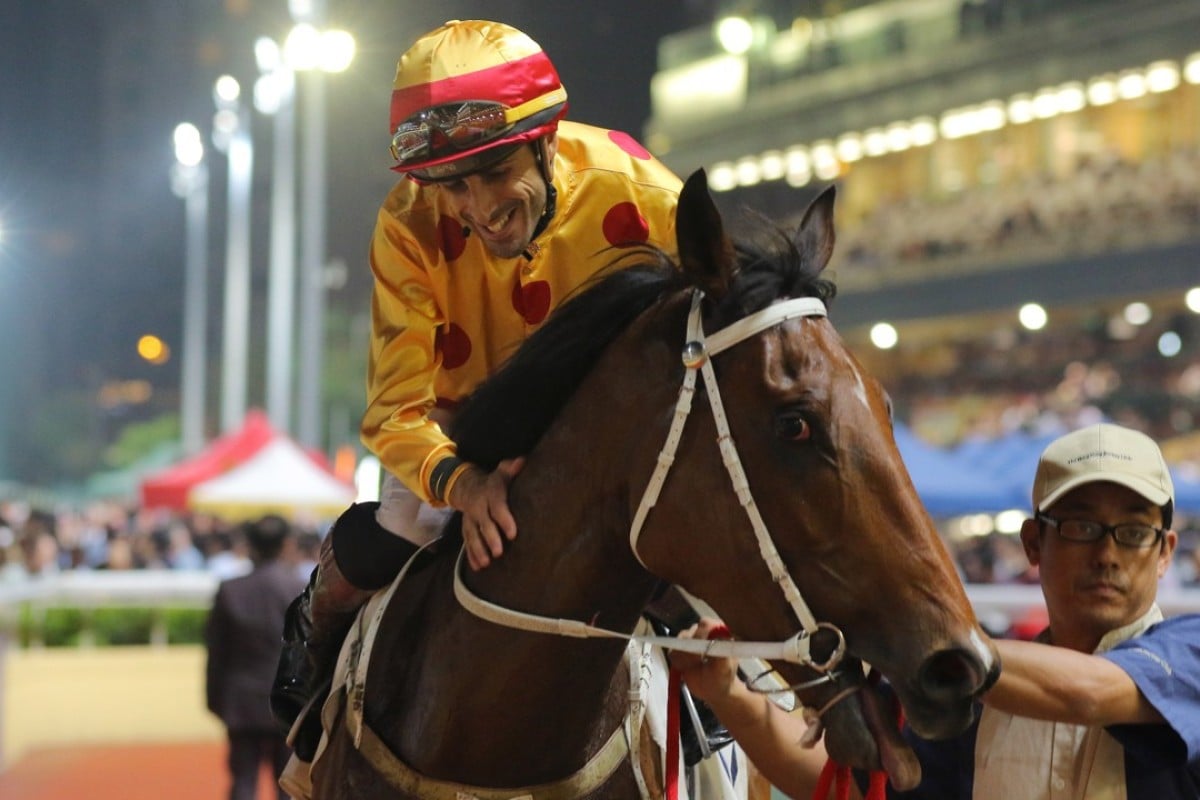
696 354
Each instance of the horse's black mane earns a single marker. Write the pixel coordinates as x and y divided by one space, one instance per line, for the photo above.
508 413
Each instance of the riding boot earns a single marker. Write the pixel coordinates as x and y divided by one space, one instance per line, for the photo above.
290 692
357 558
315 626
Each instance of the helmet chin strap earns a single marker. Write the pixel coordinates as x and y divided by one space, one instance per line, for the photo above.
541 152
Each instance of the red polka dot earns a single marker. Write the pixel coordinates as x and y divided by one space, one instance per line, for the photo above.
454 345
624 225
450 232
532 301
629 145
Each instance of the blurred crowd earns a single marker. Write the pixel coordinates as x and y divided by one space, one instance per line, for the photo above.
1107 203
109 536
112 536
1089 364
1051 381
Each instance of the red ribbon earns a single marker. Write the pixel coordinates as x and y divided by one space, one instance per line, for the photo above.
672 771
837 777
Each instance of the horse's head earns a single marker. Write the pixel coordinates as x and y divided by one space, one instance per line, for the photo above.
813 432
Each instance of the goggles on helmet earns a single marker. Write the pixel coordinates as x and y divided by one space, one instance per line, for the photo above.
440 132
444 130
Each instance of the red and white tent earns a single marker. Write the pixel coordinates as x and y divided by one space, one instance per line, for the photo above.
169 488
279 479
250 472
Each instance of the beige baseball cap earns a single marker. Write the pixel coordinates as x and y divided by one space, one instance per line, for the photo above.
1102 453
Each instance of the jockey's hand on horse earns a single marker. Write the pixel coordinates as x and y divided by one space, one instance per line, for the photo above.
482 497
710 678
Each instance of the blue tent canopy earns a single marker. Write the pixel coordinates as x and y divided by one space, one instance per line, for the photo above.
1187 494
1011 461
947 484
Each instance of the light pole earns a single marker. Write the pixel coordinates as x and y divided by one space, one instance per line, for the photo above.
231 135
274 94
9 365
314 52
189 180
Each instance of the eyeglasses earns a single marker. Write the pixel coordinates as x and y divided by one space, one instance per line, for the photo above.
1129 534
451 128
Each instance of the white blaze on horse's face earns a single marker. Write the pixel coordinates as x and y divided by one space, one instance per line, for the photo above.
986 655
860 388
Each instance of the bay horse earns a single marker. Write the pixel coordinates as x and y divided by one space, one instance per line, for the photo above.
590 399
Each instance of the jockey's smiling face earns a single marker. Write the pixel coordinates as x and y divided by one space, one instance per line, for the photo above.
503 203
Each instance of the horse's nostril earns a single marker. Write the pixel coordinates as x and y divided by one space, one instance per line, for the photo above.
951 674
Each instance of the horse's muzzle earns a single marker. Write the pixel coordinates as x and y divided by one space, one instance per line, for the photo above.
951 679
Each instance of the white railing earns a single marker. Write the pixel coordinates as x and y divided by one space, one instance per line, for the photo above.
157 590
87 589
194 588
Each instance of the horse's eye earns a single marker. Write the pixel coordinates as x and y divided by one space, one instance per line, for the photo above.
792 427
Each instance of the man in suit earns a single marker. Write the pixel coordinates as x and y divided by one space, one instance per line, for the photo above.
243 634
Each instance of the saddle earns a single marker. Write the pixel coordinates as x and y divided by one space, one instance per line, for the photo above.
701 733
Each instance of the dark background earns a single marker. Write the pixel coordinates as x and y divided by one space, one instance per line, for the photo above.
92 242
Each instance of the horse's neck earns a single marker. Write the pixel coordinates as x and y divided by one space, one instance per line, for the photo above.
574 499
516 692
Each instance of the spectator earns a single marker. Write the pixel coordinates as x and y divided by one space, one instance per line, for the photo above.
226 555
181 550
242 635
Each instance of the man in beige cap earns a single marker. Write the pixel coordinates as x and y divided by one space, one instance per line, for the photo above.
1105 705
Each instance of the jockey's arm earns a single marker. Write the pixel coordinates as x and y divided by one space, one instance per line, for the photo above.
401 423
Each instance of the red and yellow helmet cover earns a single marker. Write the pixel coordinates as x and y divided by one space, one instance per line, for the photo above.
475 60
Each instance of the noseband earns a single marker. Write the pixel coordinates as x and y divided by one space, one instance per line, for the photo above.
697 352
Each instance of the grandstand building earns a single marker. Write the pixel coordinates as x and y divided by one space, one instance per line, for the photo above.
988 154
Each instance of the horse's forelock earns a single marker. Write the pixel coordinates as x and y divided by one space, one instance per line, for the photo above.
770 267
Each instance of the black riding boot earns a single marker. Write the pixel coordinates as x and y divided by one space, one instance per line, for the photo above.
306 664
290 691
318 620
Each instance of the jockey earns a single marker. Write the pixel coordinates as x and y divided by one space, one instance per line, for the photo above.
504 211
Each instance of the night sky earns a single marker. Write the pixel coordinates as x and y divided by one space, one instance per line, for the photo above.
93 239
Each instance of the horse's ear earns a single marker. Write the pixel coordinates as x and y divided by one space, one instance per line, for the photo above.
815 237
706 255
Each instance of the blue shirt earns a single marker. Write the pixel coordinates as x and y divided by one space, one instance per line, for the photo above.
1159 761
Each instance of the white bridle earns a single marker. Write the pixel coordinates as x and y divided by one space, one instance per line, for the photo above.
697 352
